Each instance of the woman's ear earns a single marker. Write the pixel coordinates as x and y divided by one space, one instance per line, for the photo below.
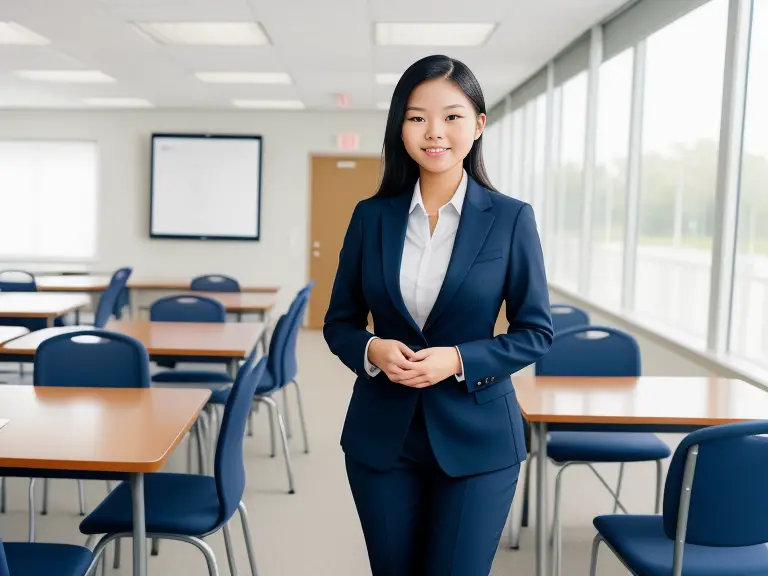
480 127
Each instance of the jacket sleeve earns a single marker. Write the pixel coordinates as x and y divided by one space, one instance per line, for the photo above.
346 321
530 332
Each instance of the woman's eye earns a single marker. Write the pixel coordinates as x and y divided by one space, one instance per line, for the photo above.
453 117
416 119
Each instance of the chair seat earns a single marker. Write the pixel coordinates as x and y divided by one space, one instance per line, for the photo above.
266 387
605 447
185 504
645 548
193 376
26 559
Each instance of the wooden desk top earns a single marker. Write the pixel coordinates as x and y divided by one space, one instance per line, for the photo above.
96 429
82 283
680 401
158 283
242 301
10 332
227 340
40 304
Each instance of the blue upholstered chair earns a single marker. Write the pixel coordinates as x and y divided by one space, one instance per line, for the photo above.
108 302
715 519
595 351
190 507
25 559
565 316
17 281
215 283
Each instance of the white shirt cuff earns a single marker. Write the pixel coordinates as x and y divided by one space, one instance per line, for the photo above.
370 369
460 375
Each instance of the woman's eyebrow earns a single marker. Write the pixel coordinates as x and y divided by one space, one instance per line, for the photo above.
417 109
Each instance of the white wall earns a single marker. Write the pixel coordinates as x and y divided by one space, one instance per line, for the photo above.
279 258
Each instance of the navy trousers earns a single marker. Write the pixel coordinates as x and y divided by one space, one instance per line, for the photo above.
418 521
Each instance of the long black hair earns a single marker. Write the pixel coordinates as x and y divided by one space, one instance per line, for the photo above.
400 170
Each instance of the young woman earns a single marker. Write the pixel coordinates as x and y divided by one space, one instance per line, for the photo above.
433 436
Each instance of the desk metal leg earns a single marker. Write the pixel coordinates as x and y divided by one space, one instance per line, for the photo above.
49 322
139 526
542 519
133 303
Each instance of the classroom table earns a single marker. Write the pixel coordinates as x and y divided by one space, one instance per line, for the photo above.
131 431
645 404
228 341
40 305
8 333
78 283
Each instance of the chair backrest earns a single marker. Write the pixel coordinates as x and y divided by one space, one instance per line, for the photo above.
565 316
215 283
108 300
728 500
290 364
591 351
3 564
17 281
228 467
187 308
97 358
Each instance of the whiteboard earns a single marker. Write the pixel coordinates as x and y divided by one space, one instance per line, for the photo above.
205 187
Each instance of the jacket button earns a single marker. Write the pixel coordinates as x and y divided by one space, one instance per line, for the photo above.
479 382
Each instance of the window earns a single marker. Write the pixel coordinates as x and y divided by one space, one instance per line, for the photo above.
610 191
570 196
492 152
539 147
47 200
681 124
749 329
516 158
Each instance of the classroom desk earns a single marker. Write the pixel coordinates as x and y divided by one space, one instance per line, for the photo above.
128 430
8 333
40 305
228 341
647 404
79 283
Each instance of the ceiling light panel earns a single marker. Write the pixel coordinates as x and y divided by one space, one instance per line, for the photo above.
432 34
206 33
66 76
270 104
244 77
118 102
16 34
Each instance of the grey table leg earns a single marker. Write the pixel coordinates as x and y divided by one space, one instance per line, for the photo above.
139 526
542 519
49 322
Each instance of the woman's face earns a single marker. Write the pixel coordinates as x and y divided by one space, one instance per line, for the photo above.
440 125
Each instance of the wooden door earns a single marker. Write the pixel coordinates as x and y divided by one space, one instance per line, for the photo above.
338 184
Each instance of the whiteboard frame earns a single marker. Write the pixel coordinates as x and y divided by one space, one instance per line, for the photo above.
154 235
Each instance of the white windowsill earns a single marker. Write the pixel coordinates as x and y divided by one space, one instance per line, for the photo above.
727 366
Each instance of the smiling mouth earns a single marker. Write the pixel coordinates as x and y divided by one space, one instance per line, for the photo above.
435 151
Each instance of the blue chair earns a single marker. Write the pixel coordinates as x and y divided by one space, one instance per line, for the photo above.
108 300
83 358
17 281
565 316
283 337
715 519
595 351
215 283
189 507
25 559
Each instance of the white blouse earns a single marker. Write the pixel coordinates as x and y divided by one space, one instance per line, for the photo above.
426 257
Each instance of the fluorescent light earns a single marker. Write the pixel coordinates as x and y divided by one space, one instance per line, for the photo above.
206 33
387 79
382 105
118 102
244 77
432 34
13 33
270 104
76 76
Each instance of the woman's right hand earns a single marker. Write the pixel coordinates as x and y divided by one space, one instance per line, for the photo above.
393 358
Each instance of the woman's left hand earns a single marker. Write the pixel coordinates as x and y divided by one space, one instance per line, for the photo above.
439 363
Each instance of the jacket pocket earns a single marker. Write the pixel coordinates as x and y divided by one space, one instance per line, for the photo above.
495 391
489 255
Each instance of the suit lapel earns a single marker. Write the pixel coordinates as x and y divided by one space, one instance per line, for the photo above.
394 224
476 220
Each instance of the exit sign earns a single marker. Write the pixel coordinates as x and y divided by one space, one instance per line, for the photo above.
347 141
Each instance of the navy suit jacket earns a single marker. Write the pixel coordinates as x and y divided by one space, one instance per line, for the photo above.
474 426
